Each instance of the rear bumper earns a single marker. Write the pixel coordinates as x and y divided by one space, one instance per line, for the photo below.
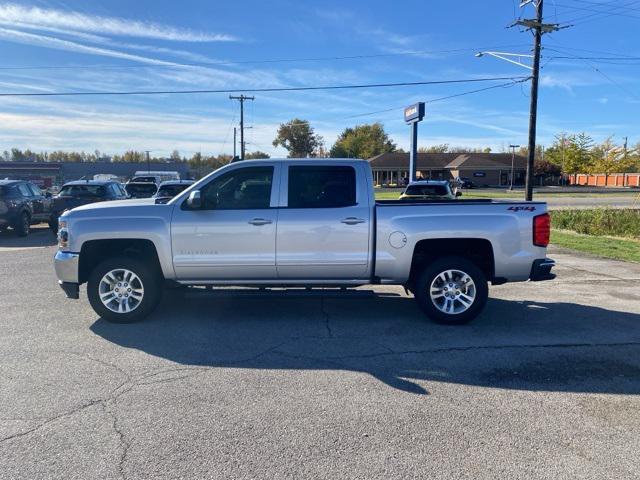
541 270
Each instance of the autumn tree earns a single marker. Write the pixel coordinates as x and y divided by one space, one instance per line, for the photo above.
362 141
441 148
255 155
298 138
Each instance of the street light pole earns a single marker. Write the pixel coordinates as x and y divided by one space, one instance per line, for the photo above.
513 158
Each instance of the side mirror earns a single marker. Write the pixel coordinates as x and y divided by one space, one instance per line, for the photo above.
193 200
458 193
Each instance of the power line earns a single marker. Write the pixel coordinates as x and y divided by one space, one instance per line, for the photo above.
461 94
606 13
245 62
604 75
599 13
272 89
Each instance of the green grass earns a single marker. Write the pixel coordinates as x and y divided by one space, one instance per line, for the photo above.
617 248
599 221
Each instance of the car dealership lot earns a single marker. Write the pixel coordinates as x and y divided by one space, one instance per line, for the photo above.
244 384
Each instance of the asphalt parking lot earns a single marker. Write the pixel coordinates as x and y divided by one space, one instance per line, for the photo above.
239 384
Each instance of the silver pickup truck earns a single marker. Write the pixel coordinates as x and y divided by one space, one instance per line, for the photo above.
299 222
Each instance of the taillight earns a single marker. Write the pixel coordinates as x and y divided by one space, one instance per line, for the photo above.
541 230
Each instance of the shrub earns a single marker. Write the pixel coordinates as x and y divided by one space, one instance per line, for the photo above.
599 221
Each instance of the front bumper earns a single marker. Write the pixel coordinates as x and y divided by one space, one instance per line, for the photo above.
541 270
66 265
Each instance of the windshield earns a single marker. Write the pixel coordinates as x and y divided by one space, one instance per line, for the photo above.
428 190
82 191
171 190
141 190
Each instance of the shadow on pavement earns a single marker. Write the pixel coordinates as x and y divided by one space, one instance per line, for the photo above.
513 345
40 236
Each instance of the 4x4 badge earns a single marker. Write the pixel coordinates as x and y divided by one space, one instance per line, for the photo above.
519 208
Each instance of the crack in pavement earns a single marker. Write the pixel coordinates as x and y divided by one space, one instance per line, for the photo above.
124 445
79 408
126 386
327 318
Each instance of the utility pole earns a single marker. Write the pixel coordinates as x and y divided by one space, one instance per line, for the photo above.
241 98
513 158
234 141
538 29
626 139
148 161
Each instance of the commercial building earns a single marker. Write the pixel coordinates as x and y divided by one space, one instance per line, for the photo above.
484 169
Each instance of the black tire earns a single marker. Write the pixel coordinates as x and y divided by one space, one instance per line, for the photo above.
23 226
429 276
53 223
148 275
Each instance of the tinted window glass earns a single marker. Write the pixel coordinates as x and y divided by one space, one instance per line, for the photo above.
35 190
245 188
82 191
428 190
113 190
24 190
3 190
171 190
144 179
141 190
321 187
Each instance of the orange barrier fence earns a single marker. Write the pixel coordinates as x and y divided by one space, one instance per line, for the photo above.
602 180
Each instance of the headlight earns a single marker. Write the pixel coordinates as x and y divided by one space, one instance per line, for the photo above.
63 234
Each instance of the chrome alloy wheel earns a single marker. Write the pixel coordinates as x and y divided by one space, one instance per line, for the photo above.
121 290
452 292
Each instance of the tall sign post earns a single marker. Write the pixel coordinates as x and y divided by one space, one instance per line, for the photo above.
412 115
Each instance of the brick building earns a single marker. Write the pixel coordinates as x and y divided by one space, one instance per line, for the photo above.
484 169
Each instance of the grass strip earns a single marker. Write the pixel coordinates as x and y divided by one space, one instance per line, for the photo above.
617 248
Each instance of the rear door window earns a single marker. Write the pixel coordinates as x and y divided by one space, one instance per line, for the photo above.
321 187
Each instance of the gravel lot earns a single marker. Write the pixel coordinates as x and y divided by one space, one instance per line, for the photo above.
240 384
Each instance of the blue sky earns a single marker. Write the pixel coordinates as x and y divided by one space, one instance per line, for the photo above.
152 45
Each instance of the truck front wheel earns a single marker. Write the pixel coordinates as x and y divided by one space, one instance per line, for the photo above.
124 289
451 290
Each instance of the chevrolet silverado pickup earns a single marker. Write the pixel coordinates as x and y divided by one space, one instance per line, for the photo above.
299 222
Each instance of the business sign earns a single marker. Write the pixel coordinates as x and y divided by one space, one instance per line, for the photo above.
479 174
414 113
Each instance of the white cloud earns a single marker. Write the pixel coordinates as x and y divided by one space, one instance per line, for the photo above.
68 45
34 17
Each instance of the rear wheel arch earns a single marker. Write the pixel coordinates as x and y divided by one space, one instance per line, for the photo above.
477 250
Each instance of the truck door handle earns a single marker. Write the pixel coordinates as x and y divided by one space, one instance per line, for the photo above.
352 220
260 221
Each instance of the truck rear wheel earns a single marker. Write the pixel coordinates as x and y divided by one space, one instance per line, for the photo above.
452 290
124 289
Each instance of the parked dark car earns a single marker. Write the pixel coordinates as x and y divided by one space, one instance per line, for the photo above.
170 189
23 204
141 189
82 192
463 182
